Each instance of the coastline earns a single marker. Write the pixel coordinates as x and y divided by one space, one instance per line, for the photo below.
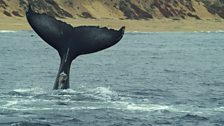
154 25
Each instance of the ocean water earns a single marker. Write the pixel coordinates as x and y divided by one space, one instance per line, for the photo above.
147 79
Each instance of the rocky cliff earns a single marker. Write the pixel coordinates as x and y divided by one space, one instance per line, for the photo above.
118 9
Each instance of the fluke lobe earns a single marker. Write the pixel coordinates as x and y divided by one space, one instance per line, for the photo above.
70 41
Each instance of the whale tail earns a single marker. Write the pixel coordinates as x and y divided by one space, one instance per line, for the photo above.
70 41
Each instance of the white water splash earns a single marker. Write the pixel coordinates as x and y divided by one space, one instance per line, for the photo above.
103 93
96 98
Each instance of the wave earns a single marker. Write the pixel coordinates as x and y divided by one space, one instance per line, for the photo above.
147 107
221 109
139 32
149 32
193 117
26 92
217 31
7 31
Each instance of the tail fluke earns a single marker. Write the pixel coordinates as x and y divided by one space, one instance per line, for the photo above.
80 40
71 41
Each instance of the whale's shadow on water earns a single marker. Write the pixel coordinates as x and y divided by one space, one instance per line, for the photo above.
71 42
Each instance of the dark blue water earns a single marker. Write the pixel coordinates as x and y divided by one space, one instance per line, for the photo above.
148 79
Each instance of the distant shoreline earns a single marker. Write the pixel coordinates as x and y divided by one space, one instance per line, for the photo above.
154 25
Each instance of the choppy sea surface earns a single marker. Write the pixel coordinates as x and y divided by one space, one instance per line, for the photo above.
147 79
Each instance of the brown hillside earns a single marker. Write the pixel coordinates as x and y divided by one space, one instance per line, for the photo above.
118 9
136 15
